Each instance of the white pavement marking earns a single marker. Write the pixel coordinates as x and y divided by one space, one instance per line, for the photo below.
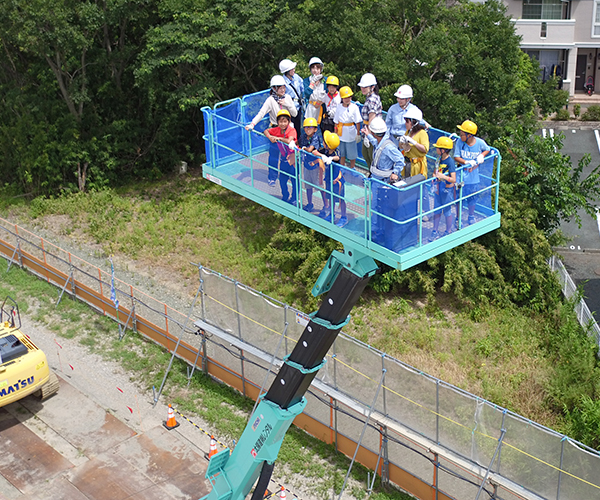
597 135
551 130
598 219
544 133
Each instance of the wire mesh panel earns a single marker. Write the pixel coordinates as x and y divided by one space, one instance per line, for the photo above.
255 371
358 371
490 420
410 398
459 423
531 456
584 315
262 320
458 482
220 307
581 470
351 425
410 456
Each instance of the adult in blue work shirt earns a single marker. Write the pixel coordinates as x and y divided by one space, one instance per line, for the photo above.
294 87
388 163
395 116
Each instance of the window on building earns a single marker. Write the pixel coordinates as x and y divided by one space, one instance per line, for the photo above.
596 26
547 9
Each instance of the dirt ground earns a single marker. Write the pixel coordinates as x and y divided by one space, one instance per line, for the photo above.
100 437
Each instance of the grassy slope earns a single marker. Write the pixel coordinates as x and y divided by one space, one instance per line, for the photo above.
496 355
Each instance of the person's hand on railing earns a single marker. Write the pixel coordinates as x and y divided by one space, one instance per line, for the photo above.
250 126
291 144
480 158
472 164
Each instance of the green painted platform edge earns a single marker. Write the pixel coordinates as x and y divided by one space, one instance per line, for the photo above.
399 261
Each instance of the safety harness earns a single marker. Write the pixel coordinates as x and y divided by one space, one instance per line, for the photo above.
374 170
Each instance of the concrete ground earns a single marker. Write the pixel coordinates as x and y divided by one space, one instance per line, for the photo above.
70 448
100 437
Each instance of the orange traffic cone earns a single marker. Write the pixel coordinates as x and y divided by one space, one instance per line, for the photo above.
282 495
171 423
213 447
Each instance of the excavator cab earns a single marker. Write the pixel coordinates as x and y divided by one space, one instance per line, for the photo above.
24 368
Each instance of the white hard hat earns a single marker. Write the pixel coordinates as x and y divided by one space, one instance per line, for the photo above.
367 80
314 60
377 125
286 65
404 92
277 81
414 113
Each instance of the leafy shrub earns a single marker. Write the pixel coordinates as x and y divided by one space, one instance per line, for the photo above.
577 110
298 254
584 422
562 115
592 114
577 369
549 99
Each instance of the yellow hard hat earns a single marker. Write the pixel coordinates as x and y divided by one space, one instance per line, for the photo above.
332 80
284 112
310 122
444 142
346 92
468 126
331 139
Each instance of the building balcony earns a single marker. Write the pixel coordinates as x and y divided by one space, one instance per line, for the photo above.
546 33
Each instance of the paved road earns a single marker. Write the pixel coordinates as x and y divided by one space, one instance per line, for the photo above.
70 448
99 438
582 256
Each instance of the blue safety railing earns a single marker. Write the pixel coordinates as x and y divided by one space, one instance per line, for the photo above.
392 224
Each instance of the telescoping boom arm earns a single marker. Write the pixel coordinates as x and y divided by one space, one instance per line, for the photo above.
233 475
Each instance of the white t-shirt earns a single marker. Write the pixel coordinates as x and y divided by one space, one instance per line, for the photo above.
351 114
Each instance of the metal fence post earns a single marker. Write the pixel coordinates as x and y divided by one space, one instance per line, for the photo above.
385 468
500 450
239 323
134 317
384 388
437 411
562 452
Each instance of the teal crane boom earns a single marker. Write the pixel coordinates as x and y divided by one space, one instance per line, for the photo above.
342 281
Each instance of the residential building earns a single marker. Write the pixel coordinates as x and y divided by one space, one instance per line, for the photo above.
563 35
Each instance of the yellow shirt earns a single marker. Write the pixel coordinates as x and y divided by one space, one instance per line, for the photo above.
418 160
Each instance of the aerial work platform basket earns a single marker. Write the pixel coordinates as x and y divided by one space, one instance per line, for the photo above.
391 224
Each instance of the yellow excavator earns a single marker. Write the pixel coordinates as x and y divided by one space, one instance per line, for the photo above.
24 368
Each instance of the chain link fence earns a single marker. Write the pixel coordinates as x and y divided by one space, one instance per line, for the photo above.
584 315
